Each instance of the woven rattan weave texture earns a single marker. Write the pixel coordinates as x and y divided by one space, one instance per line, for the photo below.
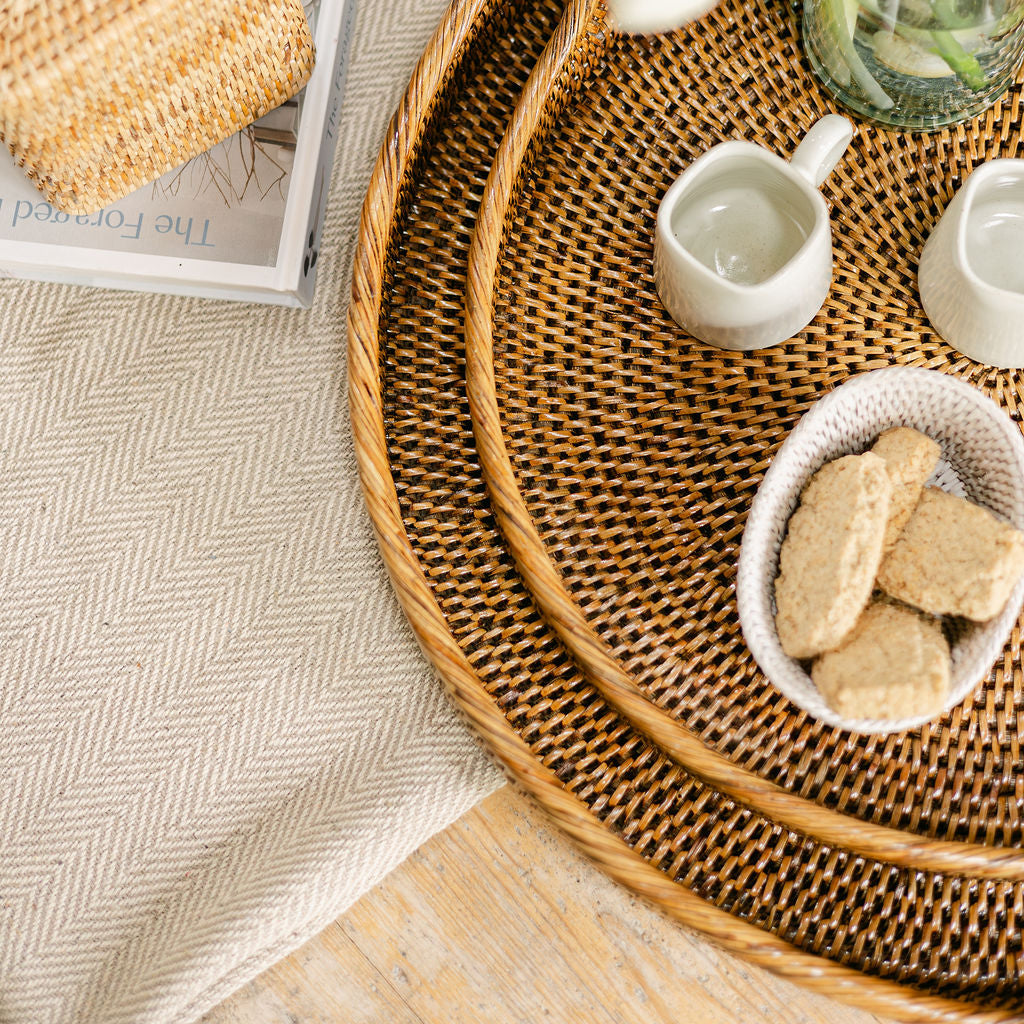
831 920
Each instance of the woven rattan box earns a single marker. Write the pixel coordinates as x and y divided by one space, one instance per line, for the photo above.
99 97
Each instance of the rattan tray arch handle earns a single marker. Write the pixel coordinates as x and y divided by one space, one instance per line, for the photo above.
370 286
550 85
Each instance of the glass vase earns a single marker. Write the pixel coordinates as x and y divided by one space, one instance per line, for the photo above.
915 64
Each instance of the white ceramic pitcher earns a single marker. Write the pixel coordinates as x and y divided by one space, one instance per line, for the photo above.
743 245
971 275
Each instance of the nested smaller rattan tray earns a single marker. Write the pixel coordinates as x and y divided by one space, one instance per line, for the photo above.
906 942
622 456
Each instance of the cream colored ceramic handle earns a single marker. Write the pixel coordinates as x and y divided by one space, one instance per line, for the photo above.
646 16
820 149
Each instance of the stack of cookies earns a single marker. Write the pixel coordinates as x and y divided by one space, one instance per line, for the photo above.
873 566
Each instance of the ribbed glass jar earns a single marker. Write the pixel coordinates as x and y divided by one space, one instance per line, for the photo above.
915 64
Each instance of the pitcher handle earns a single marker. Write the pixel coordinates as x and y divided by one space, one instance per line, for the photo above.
820 149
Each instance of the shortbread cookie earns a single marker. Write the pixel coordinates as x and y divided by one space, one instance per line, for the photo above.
910 458
831 554
895 664
953 558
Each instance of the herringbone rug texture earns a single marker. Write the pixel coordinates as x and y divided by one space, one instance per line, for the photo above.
216 728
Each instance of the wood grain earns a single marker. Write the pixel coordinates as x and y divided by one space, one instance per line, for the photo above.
500 919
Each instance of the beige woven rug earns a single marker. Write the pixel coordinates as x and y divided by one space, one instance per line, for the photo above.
216 728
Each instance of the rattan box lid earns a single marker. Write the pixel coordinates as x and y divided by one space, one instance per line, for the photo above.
906 943
99 97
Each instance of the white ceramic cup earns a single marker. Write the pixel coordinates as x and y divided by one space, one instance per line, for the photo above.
743 245
971 274
643 16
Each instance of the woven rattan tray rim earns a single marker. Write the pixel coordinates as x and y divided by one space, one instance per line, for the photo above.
611 853
545 583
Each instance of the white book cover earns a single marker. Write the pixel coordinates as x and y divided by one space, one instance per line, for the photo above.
240 221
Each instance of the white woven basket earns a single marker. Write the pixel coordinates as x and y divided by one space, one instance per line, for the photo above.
982 459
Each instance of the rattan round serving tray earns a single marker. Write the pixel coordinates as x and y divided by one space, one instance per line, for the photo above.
622 455
903 943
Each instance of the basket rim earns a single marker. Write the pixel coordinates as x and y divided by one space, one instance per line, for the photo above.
462 683
543 580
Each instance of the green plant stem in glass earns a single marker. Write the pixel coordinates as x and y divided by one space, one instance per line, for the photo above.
916 64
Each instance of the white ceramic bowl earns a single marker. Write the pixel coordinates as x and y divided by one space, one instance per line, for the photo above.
982 459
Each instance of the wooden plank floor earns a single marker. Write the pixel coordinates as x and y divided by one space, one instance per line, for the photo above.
499 920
